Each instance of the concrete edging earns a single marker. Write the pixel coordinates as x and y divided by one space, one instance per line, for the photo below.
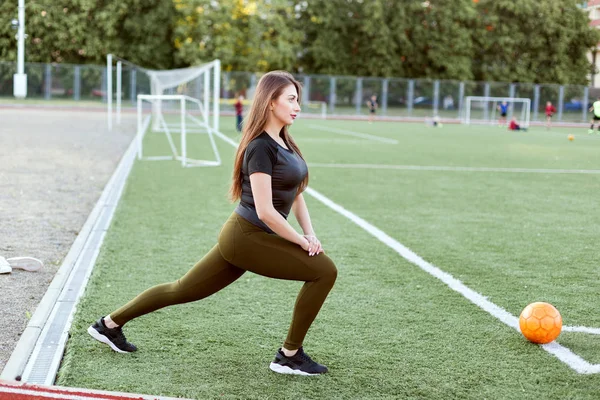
19 358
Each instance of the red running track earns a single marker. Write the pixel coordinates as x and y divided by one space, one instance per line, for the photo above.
11 390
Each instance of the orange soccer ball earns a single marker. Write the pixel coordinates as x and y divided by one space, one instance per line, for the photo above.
540 322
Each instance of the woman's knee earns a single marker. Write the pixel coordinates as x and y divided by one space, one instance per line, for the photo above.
327 269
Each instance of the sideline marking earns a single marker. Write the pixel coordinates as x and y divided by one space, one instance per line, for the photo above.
564 354
352 133
455 169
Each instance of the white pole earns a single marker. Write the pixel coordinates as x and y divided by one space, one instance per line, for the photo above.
216 95
20 79
119 69
183 142
140 134
206 97
109 89
468 112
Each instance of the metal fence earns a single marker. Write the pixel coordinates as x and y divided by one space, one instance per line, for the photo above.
343 95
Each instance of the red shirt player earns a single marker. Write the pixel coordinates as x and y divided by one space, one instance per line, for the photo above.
239 108
513 125
550 110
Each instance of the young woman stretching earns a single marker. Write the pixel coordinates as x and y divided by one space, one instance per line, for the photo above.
269 176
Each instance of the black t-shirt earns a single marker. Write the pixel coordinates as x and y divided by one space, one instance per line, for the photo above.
287 170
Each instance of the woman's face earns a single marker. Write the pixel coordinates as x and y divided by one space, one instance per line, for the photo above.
285 108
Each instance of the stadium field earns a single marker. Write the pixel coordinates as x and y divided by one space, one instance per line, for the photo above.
441 237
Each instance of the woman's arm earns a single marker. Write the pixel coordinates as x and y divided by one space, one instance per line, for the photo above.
263 201
301 213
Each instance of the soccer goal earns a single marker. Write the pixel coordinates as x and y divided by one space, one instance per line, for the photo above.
318 108
175 115
182 104
484 110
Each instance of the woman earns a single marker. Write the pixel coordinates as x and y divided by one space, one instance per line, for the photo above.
269 177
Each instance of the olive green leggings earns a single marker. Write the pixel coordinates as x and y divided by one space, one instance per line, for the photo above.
243 247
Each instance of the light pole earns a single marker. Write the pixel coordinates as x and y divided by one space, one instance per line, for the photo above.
20 78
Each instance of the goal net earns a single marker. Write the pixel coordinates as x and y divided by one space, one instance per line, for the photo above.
183 106
176 116
488 110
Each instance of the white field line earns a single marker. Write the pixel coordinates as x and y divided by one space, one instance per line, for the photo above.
352 133
340 141
456 169
564 354
581 329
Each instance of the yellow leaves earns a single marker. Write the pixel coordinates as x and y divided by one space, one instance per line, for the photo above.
177 43
250 9
200 9
179 4
244 8
262 64
188 40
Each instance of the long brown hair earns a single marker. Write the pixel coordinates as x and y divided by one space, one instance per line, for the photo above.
269 88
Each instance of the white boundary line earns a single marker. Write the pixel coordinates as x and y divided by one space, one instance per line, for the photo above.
302 139
352 133
455 169
564 354
582 329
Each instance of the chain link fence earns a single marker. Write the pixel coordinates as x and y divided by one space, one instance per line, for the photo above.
343 95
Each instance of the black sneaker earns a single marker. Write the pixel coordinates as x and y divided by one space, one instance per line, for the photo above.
299 364
112 337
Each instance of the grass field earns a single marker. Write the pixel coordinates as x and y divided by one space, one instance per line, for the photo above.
512 215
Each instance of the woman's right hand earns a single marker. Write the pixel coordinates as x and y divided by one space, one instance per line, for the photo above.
312 247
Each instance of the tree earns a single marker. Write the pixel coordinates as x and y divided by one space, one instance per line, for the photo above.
84 31
533 41
438 42
347 37
389 38
245 35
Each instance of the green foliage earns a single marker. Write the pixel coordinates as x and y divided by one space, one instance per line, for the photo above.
388 330
533 41
244 35
84 31
498 40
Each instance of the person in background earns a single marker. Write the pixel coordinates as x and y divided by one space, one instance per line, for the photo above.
514 125
503 109
595 116
239 111
372 105
550 110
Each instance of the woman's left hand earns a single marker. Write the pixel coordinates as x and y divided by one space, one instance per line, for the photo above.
315 245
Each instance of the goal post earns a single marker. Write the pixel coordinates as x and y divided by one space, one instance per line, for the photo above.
477 109
177 117
315 108
202 82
